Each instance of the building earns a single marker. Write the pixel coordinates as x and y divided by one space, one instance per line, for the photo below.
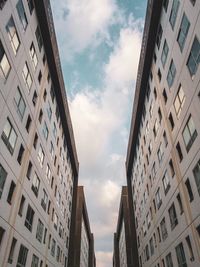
81 252
163 157
38 160
124 246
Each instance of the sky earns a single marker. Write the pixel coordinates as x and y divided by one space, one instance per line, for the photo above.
99 43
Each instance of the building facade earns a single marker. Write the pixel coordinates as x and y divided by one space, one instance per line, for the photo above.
125 248
163 158
38 160
82 250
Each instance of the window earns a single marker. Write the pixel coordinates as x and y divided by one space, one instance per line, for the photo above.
197 228
2 231
29 218
158 198
174 12
4 63
166 183
159 36
158 231
41 156
54 130
55 221
22 14
163 229
159 75
27 76
20 154
165 5
179 101
164 95
12 249
169 261
171 120
29 170
159 115
164 53
23 252
39 232
11 191
9 136
52 94
194 57
20 103
173 216
151 246
33 56
3 175
53 247
189 244
179 151
160 153
36 184
183 31
45 131
13 35
34 99
35 141
58 254
30 5
180 203
35 261
21 206
180 254
39 38
48 173
45 235
193 2
189 189
51 150
189 133
39 76
165 138
49 112
44 200
40 116
171 165
171 74
196 172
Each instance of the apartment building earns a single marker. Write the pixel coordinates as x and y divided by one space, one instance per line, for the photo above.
81 252
124 246
163 157
38 160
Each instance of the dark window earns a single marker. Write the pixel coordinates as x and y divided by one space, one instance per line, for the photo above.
23 252
40 116
174 12
29 170
159 75
4 63
171 165
45 95
159 114
183 31
194 57
165 4
190 248
179 151
34 99
20 154
39 232
169 261
3 175
159 36
171 120
172 216
197 228
189 133
29 218
39 38
189 189
35 141
2 231
20 103
40 77
12 249
22 14
180 203
52 94
180 254
30 5
35 261
11 191
163 229
36 184
21 206
196 172
44 59
164 95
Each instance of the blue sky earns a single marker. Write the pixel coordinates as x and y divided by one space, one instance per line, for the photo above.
99 43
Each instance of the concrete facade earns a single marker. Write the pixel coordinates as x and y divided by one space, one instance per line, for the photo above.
163 167
38 161
82 251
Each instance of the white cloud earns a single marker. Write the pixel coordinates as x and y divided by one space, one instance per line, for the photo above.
83 23
104 259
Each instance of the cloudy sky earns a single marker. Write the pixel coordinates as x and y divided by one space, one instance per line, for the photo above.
99 43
